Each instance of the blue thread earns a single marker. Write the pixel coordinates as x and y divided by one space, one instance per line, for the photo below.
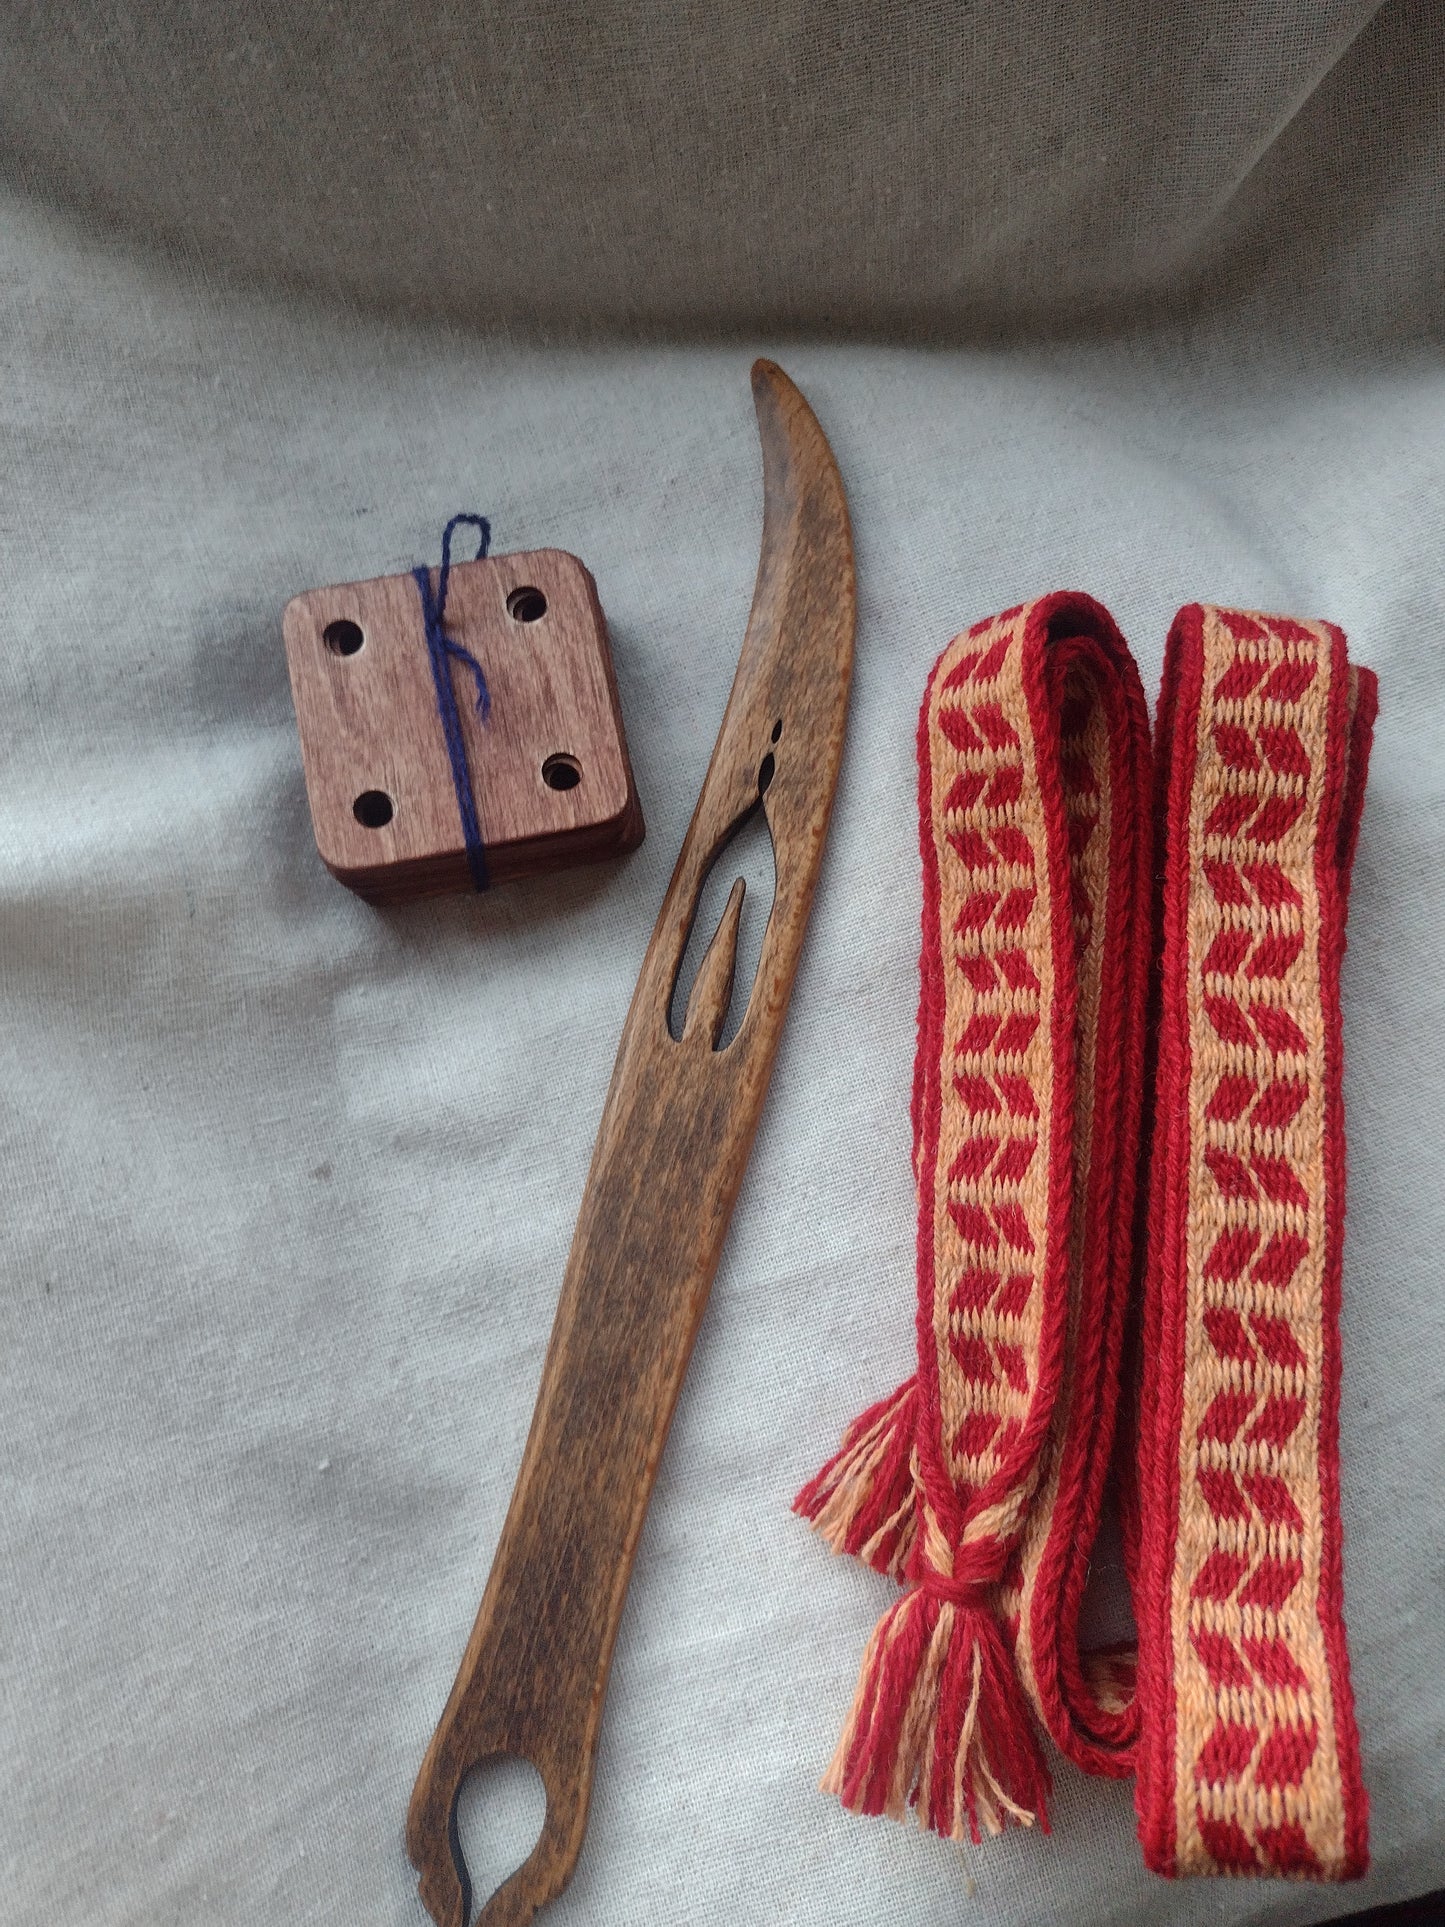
443 652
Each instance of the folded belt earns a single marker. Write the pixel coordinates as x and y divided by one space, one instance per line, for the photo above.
1122 969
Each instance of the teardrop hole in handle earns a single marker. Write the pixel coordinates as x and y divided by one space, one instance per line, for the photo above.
496 1823
747 853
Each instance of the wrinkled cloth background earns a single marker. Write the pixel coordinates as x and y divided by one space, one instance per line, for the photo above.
1136 299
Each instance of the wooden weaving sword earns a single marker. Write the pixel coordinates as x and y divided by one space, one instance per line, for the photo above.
676 1130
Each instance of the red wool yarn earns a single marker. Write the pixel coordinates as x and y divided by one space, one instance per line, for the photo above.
1067 995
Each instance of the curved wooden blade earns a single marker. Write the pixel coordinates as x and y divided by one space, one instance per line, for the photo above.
676 1130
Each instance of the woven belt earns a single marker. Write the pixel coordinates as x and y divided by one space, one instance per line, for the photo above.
1052 1302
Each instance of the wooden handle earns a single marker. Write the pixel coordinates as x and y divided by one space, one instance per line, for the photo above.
676 1131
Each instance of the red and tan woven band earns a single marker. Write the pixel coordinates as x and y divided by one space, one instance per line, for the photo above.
979 1484
1248 1756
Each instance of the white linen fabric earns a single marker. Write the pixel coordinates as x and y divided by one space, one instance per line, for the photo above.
288 1182
730 164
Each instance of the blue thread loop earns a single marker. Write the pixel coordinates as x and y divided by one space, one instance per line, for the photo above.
443 652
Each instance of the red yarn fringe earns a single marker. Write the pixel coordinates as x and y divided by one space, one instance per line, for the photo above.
939 1723
862 1502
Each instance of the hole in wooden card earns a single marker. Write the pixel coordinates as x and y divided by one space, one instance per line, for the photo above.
561 772
497 1823
526 605
767 769
373 809
777 729
343 638
747 853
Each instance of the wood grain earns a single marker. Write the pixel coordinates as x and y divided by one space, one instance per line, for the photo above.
677 1127
368 723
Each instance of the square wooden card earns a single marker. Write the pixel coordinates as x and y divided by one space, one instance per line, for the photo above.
548 768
